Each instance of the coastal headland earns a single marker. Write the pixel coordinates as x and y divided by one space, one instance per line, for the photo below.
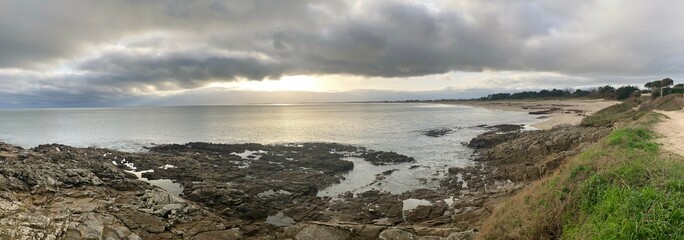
255 191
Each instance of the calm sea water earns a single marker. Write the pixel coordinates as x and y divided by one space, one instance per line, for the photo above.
379 126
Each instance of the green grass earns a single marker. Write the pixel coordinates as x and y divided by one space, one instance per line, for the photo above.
672 102
633 139
607 117
640 197
623 187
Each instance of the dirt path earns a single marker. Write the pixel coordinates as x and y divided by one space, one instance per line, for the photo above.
672 130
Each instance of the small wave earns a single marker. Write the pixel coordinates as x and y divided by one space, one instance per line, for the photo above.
126 146
436 105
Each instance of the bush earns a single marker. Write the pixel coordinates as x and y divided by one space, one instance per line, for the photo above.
625 92
581 93
606 91
671 102
621 188
668 91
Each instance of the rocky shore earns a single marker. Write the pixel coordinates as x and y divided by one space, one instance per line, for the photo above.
254 191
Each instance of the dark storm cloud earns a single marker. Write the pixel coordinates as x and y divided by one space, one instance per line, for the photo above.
38 32
175 70
126 47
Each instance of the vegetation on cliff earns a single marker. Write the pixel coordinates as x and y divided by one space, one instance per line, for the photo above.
657 88
623 187
608 92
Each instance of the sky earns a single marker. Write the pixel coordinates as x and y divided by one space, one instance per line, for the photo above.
84 53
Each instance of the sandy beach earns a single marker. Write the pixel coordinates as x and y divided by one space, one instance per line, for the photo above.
556 112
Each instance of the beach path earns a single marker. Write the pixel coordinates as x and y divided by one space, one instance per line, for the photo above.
672 130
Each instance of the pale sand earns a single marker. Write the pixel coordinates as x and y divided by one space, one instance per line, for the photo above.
672 130
571 111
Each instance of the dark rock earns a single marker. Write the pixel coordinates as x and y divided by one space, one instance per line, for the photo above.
229 197
490 139
437 132
465 235
370 232
319 232
501 128
384 158
545 111
496 134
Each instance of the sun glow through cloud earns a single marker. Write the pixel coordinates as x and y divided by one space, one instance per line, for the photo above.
286 83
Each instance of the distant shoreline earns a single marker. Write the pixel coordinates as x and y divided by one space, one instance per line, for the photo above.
557 111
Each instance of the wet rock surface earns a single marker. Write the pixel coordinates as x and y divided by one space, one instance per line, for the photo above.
247 183
56 192
533 154
386 158
496 134
244 191
437 132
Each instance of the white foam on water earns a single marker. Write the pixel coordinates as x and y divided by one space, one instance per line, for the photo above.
464 184
245 155
167 166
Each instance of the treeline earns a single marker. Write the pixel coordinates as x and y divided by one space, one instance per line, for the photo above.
663 87
599 92
656 88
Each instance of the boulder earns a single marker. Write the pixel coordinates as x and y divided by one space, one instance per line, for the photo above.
396 234
320 232
465 235
385 158
232 234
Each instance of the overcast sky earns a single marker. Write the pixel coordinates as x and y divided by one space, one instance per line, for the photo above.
71 53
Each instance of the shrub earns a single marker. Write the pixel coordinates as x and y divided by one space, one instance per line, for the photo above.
625 92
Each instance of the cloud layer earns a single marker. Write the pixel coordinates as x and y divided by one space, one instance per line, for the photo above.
81 50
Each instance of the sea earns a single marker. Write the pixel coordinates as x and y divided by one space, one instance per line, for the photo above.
396 127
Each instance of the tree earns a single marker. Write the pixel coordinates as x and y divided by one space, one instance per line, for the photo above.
666 82
625 92
678 86
655 87
581 93
499 96
649 85
606 91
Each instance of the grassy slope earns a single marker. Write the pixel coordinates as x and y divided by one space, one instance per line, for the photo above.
621 188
